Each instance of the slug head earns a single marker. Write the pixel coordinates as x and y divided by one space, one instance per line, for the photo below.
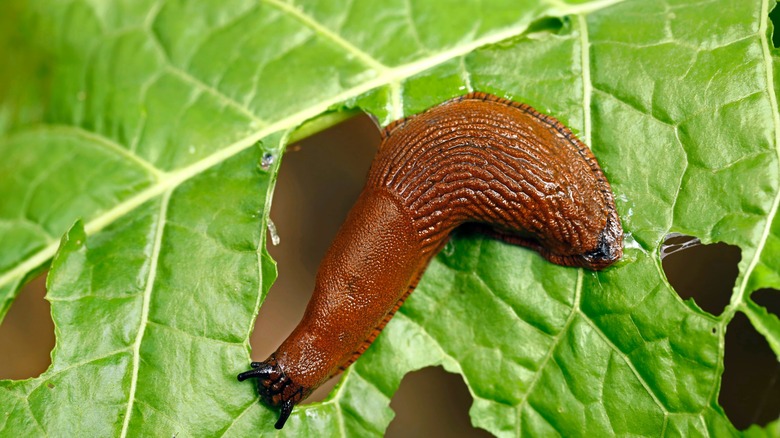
585 234
609 248
569 210
275 388
580 228
606 250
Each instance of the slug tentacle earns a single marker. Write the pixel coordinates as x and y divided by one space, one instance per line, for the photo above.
501 166
284 414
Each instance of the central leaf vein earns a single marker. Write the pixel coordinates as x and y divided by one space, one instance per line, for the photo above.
146 298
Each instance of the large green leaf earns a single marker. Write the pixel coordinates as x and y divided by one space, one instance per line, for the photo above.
147 121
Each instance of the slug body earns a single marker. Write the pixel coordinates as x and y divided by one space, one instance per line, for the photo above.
519 175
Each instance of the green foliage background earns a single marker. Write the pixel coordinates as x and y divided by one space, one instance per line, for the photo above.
146 120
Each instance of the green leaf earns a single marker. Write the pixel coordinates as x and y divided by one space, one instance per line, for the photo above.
144 123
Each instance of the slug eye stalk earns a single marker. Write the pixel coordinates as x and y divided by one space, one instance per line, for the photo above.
284 414
260 370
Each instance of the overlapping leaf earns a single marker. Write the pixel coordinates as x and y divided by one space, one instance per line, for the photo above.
156 115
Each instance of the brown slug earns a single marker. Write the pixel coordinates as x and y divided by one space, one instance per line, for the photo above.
521 176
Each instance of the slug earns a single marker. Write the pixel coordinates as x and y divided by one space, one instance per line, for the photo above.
519 175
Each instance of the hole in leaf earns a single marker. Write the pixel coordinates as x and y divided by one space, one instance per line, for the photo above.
551 25
27 333
706 273
432 402
750 388
774 17
769 299
319 180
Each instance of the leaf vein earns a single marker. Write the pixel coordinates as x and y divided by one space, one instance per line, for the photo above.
235 420
587 86
556 340
192 335
323 31
53 372
627 361
208 89
136 348
108 144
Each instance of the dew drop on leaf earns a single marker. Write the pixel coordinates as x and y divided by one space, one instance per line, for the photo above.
449 248
267 161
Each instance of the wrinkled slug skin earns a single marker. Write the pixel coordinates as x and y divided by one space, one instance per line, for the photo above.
518 175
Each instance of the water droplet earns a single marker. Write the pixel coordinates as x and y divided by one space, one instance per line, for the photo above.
272 231
630 243
462 87
449 248
267 161
191 149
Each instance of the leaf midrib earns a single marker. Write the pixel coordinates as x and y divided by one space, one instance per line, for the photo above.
146 299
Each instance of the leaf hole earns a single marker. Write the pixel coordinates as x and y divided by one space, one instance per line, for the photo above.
549 25
705 273
768 299
27 333
774 17
319 180
432 402
750 386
